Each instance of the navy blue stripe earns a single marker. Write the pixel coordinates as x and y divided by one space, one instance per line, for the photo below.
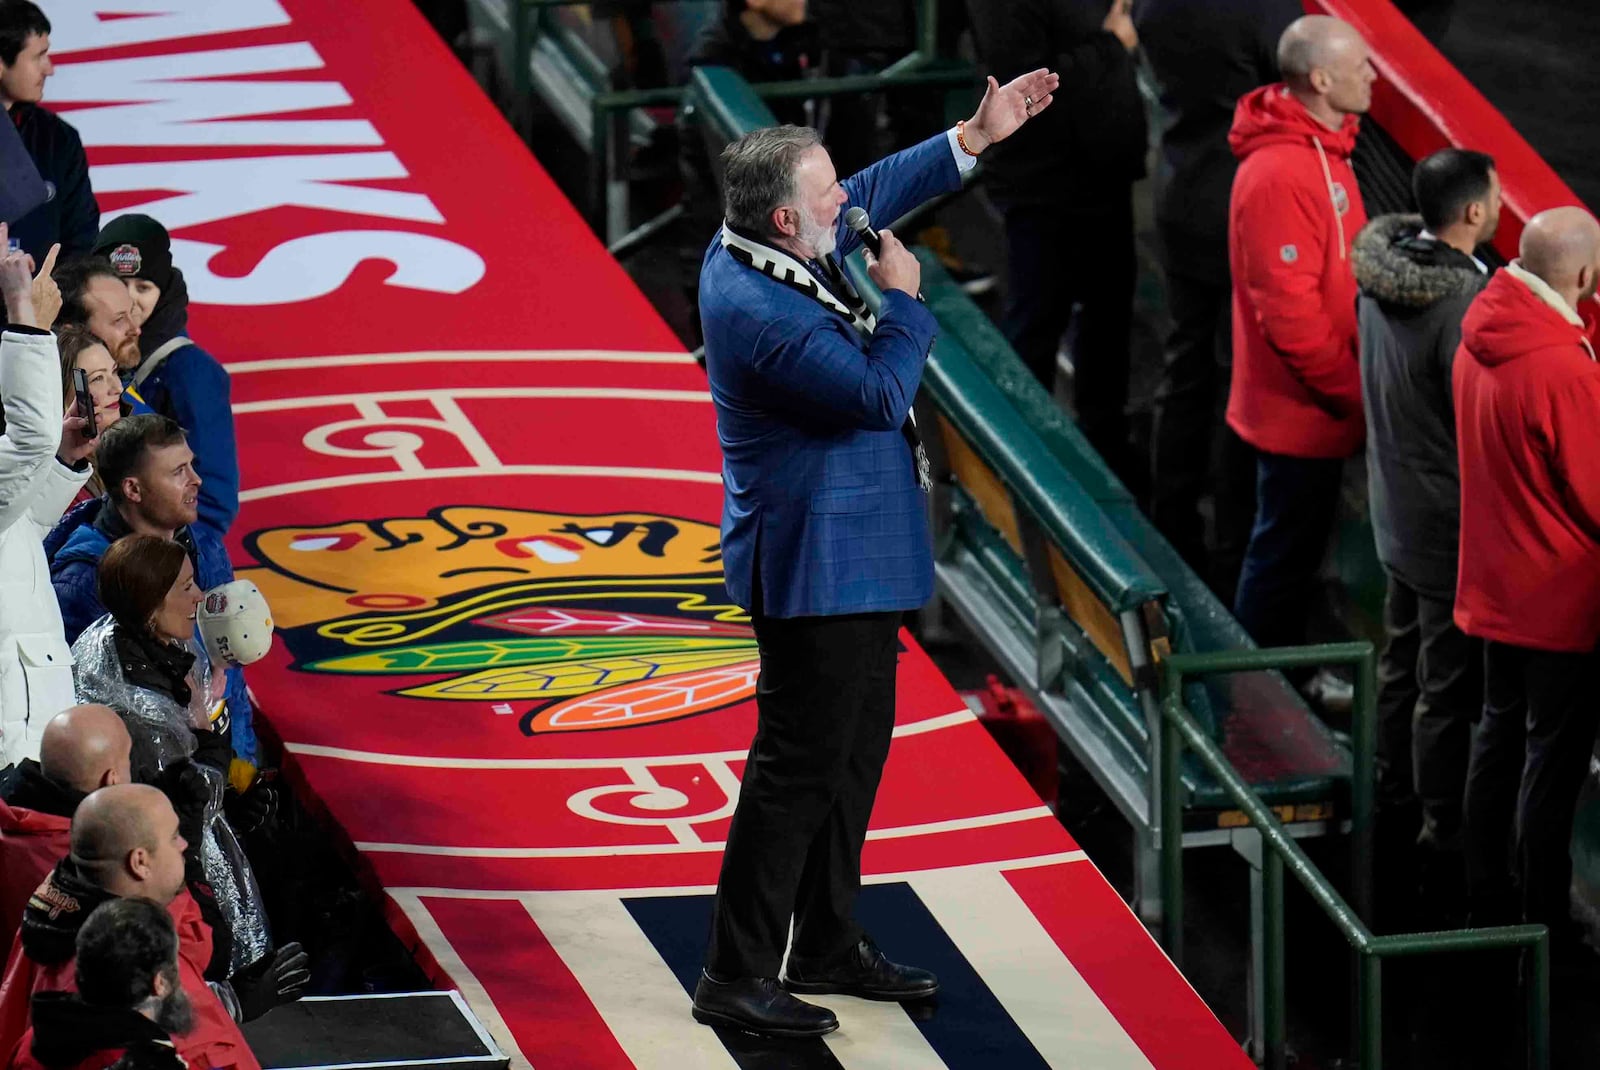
969 1028
678 927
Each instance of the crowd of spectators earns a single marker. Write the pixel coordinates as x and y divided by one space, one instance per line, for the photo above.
1302 335
130 781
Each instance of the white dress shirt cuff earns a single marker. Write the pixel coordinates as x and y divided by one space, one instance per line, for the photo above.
964 163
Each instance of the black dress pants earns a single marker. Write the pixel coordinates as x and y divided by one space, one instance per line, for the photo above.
1529 758
1193 450
1430 693
1062 257
825 715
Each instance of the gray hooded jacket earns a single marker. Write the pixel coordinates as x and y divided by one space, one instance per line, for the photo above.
1414 291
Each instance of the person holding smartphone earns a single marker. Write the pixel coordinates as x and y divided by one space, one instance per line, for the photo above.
92 390
43 464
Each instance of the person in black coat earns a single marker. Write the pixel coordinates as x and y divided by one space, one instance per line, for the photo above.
764 41
1065 187
70 216
1418 275
1206 54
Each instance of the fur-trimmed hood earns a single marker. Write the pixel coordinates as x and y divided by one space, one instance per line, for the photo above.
1394 266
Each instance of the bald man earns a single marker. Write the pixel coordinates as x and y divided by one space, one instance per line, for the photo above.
82 749
1527 394
1295 396
124 843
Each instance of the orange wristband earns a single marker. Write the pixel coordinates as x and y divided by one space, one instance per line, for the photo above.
961 137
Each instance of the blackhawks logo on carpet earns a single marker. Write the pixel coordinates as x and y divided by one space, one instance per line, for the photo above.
577 623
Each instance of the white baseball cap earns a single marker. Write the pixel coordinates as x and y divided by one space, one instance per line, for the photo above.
235 623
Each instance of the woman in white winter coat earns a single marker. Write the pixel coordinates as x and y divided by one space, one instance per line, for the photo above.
43 463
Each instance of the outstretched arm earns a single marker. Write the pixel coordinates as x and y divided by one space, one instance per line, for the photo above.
896 184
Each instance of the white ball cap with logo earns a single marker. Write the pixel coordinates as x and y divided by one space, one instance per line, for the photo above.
235 623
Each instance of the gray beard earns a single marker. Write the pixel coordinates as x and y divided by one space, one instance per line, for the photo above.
176 1013
821 239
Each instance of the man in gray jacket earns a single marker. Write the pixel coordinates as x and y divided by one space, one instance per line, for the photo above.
1417 276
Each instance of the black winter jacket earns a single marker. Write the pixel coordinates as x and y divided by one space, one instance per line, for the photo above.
1206 54
1414 292
71 216
1091 142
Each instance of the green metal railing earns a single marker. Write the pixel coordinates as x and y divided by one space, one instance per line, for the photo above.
532 19
1179 732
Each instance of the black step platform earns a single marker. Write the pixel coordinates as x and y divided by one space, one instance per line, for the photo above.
416 1030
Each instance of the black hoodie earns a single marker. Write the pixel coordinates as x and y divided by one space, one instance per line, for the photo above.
67 1032
24 785
56 912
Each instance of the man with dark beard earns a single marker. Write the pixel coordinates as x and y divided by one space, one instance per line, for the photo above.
94 296
126 845
130 1001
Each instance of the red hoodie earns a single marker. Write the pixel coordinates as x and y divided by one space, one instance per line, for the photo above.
1527 392
31 844
214 1043
1294 215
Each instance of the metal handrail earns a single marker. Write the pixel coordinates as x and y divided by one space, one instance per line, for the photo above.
1179 730
530 19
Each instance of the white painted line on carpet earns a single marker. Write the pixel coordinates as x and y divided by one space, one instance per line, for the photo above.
1038 985
931 828
626 979
450 962
425 761
458 393
873 1036
508 356
586 471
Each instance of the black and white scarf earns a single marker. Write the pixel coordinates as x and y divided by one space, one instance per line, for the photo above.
837 296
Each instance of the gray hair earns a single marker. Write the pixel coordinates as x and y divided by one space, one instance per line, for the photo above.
758 174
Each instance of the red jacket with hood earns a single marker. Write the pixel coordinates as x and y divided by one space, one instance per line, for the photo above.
42 961
1527 392
1293 217
31 843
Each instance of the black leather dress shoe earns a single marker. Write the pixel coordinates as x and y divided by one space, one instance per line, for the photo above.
862 971
759 1005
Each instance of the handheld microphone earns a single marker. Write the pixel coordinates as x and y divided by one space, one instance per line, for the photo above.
857 220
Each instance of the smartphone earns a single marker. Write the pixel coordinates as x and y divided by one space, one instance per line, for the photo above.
80 386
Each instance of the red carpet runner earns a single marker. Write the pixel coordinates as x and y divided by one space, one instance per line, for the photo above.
481 492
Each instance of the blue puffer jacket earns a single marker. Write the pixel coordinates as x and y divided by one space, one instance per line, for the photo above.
191 387
74 549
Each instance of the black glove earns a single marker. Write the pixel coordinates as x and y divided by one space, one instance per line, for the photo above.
185 784
252 808
274 979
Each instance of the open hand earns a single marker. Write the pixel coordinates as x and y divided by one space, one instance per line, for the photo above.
1004 108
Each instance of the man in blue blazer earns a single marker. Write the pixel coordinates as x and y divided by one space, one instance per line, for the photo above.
824 540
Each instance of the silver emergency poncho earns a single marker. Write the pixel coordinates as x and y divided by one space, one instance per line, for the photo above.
162 728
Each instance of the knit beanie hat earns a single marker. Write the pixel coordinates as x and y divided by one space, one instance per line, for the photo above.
138 248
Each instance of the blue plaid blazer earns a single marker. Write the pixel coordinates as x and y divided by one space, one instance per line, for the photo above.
822 514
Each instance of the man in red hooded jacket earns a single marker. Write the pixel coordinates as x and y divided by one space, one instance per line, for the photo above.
82 749
1296 390
125 843
1527 395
